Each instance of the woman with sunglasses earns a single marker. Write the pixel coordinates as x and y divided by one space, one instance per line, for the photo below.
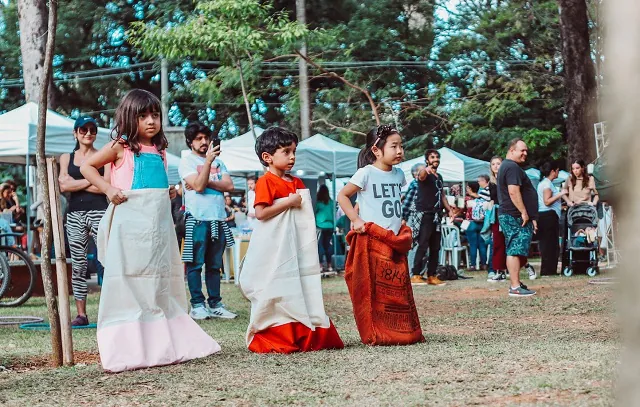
85 208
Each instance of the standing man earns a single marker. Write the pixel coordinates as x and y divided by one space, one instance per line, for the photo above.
409 211
429 203
518 213
205 179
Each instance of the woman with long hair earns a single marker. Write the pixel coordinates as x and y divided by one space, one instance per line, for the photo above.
498 253
87 205
324 223
549 207
581 187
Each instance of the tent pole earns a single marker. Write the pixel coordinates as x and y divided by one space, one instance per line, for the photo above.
333 212
28 205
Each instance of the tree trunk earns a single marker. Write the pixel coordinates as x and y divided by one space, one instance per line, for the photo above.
305 105
246 99
579 79
621 111
54 319
32 16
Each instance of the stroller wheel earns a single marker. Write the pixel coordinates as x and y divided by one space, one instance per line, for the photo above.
592 271
567 272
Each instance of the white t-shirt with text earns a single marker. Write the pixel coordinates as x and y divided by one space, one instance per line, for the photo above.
379 197
208 205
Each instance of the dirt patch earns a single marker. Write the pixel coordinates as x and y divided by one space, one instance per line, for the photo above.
46 361
555 397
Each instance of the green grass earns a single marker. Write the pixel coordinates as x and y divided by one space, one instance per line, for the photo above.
482 348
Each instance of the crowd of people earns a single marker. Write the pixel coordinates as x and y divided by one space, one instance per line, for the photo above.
143 319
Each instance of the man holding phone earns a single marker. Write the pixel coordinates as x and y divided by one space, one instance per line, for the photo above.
430 202
205 179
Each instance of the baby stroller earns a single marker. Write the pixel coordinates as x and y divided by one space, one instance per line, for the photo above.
580 246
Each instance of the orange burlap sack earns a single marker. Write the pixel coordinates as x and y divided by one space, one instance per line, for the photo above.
377 275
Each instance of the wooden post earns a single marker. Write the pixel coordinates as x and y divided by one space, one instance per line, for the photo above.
61 262
45 265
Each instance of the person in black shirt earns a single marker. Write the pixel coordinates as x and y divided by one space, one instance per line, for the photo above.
85 209
430 202
518 213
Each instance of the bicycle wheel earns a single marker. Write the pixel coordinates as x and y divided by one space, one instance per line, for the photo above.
5 275
15 258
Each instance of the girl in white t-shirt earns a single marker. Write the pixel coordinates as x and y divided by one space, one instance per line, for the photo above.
377 182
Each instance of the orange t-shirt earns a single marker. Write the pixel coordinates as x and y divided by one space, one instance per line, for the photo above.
270 187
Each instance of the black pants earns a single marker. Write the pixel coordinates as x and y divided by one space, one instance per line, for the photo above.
428 239
548 236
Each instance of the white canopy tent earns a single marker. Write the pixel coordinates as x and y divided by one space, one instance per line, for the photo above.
454 167
18 131
239 154
319 154
18 136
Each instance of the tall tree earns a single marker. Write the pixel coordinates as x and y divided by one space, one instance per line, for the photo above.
579 79
32 15
238 32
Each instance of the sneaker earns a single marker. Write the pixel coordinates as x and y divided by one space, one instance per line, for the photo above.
80 320
491 276
221 312
521 291
499 277
433 280
418 280
532 273
199 312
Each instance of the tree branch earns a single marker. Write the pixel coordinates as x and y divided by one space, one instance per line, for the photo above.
334 127
374 110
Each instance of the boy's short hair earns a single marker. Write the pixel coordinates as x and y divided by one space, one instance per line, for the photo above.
272 139
485 177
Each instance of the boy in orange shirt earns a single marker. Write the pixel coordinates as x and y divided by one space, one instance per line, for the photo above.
281 272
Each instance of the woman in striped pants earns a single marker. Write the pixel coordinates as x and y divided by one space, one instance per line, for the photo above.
85 209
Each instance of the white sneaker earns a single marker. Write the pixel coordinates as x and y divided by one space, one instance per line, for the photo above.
199 312
221 312
532 273
491 276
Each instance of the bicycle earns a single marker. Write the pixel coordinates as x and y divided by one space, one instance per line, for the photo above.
12 257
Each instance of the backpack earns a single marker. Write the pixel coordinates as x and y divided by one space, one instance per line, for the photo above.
477 213
447 273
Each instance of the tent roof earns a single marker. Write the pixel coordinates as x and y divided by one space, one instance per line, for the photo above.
316 154
18 132
454 167
239 154
534 175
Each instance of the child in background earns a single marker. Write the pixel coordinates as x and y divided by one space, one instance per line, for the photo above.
281 272
142 319
377 260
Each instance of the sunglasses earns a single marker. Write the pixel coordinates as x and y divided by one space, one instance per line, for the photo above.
91 130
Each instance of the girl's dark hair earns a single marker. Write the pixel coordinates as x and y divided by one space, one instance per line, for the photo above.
193 129
272 139
585 176
77 147
134 103
546 169
377 137
474 186
323 194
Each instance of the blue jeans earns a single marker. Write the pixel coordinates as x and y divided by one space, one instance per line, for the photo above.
476 244
208 253
325 247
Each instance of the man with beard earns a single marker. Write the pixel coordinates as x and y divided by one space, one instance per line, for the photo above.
205 180
429 202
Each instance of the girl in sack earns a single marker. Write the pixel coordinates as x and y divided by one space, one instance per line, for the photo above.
376 270
142 318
